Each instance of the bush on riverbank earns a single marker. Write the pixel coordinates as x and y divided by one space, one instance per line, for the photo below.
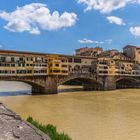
49 130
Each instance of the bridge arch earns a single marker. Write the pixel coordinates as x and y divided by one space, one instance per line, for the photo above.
127 82
35 88
36 82
88 83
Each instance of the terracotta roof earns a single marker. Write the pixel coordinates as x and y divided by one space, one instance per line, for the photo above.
130 46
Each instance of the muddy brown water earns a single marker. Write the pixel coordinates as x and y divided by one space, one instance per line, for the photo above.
94 115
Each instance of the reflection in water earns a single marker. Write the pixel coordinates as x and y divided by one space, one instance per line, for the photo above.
15 93
109 115
64 88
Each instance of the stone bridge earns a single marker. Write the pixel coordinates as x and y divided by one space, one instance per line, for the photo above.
49 84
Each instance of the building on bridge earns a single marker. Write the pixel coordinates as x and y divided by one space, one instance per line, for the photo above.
57 64
109 66
80 64
45 72
16 63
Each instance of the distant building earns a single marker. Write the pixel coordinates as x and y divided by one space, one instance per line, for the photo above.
108 53
137 55
88 51
120 56
130 51
114 54
133 52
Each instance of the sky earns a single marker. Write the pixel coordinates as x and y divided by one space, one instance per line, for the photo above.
61 26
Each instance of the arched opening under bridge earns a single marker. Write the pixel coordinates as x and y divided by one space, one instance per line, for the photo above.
127 83
79 84
14 88
19 87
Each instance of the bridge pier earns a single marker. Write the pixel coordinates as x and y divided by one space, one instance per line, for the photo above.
36 90
109 83
51 86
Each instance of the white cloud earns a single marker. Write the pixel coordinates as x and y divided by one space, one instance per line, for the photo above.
85 41
88 41
35 31
108 41
135 30
115 20
105 6
35 16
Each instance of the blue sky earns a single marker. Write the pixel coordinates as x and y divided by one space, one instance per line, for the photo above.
62 26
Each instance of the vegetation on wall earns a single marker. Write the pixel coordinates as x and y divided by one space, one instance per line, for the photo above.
49 129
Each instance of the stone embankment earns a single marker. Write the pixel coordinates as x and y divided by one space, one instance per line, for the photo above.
12 127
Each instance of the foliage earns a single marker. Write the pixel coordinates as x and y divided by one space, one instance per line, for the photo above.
49 129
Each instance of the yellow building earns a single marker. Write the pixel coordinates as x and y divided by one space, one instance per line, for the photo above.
105 66
57 64
127 68
109 66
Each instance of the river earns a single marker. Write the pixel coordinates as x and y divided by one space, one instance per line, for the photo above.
94 115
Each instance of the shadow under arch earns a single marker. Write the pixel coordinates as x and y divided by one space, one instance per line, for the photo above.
87 84
127 82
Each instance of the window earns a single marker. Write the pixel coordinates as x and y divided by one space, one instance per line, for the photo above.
12 72
3 59
21 59
64 66
29 71
63 60
69 60
21 71
12 65
77 60
56 71
64 71
12 59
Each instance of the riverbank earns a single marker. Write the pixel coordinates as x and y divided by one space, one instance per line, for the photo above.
13 128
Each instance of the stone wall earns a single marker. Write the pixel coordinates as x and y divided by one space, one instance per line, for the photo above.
13 128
